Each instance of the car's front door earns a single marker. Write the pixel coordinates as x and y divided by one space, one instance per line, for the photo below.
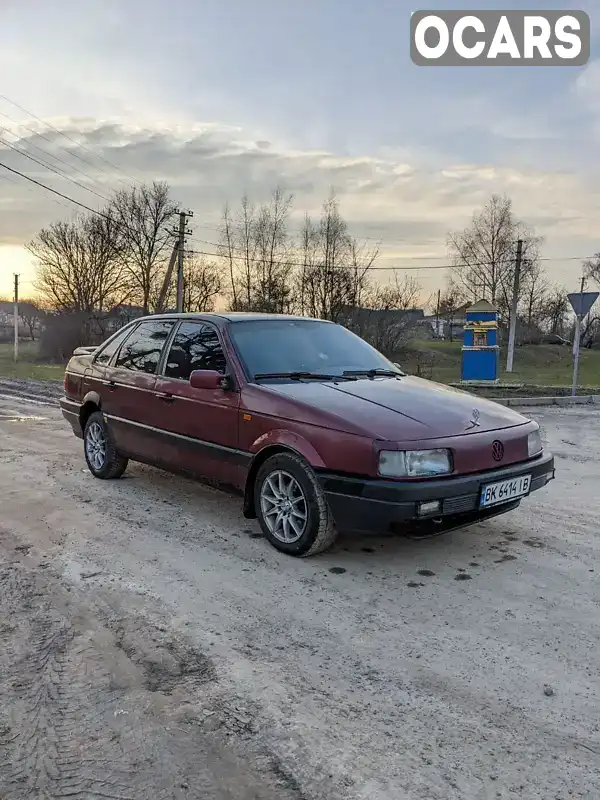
200 425
128 399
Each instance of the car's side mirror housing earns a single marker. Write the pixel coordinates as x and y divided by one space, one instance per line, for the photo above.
207 379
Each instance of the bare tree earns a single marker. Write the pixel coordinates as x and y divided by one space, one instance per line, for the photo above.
242 252
451 299
228 251
275 253
201 284
386 319
484 253
535 288
258 251
591 268
555 311
31 316
334 272
80 264
144 214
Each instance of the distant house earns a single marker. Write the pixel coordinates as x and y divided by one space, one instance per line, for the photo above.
7 322
449 326
6 313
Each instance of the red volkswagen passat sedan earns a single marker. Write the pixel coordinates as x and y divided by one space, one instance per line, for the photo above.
316 429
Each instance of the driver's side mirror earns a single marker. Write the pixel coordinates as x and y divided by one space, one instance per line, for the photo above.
208 379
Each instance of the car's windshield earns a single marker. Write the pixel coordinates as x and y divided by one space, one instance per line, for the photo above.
311 346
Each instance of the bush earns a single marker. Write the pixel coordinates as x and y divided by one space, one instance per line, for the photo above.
62 333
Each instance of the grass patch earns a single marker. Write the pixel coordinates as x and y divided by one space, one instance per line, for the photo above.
28 365
541 365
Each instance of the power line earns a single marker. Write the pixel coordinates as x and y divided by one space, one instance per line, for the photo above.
404 258
367 238
31 189
28 143
54 191
74 141
282 262
387 242
52 169
371 269
301 264
118 223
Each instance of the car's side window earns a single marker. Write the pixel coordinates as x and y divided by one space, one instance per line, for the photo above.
107 352
196 345
141 351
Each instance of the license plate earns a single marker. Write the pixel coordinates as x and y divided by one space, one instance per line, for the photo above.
504 491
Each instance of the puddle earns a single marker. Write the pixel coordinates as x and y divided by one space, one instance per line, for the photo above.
15 418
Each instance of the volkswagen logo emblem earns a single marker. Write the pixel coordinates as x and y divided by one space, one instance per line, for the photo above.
497 450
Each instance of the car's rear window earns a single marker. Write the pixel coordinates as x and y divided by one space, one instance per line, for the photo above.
268 346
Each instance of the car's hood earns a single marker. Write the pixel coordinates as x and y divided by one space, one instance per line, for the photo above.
409 408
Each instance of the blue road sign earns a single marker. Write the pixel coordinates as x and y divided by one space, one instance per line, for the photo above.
582 302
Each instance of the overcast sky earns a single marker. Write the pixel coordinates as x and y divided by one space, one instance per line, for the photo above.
219 97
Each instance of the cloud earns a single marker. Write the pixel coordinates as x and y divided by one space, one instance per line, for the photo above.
587 86
406 204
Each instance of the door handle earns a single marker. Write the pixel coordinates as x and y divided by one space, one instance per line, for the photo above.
168 398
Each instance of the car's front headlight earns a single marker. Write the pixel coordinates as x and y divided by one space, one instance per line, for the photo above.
534 443
414 463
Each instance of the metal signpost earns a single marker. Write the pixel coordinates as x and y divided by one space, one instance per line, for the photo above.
581 303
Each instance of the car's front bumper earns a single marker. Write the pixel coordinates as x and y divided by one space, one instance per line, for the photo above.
377 506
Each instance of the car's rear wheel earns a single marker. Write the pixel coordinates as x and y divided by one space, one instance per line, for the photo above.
291 506
101 454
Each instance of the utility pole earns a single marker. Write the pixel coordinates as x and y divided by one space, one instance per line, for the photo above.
514 307
576 342
181 233
437 314
162 298
16 317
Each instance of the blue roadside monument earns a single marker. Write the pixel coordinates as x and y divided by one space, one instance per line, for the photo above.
480 351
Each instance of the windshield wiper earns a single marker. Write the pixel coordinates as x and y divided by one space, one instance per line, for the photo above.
373 373
298 376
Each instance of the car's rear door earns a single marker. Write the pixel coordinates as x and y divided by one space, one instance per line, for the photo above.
128 399
94 378
200 425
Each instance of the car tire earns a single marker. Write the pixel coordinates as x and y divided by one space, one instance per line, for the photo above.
101 455
318 533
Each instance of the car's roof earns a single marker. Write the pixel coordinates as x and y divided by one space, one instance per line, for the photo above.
246 316
232 316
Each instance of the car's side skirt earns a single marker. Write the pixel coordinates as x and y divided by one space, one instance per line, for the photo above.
212 449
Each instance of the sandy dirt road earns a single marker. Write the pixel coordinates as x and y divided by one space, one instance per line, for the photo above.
155 646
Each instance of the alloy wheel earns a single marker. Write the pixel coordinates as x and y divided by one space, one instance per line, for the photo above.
95 446
284 507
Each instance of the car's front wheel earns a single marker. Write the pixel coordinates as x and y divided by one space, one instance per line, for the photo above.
291 507
101 455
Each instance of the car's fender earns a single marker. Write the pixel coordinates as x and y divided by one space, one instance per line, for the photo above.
291 441
271 441
92 397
